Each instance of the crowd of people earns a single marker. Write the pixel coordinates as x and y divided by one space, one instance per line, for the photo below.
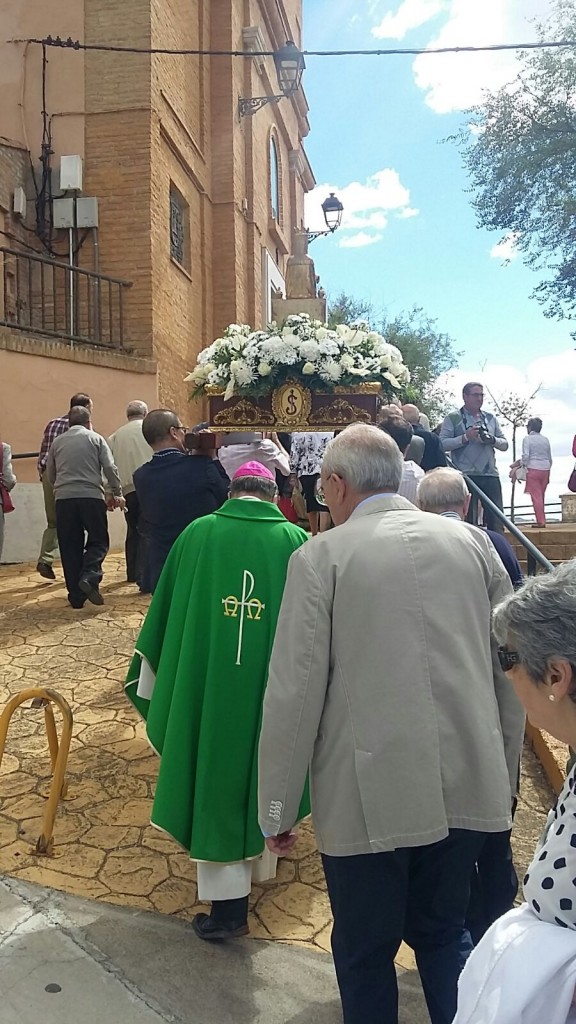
374 671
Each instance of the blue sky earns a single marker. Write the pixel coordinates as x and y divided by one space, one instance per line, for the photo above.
409 234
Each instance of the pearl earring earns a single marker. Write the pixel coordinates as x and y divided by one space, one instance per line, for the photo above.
551 696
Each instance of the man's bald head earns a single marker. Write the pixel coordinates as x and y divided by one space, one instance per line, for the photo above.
443 490
411 413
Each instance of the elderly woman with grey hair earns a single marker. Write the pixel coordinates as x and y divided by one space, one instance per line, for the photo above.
525 966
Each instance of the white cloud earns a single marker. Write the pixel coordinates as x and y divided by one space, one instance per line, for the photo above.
410 15
505 249
360 240
366 206
457 81
554 403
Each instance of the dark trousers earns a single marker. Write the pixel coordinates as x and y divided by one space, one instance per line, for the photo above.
230 912
493 489
82 528
494 885
419 895
133 548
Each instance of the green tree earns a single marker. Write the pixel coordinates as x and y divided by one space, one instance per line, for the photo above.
346 309
426 351
519 148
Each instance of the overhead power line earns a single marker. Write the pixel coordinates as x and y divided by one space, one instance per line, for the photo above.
75 44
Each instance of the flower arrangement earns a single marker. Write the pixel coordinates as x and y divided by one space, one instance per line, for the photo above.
247 362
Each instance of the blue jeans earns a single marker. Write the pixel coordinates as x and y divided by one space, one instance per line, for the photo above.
417 894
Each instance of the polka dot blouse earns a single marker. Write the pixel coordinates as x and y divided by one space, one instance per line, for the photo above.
550 885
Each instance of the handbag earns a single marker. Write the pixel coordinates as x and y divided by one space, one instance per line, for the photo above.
572 481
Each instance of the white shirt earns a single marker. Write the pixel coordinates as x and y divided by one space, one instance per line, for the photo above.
307 451
536 453
130 450
411 477
232 456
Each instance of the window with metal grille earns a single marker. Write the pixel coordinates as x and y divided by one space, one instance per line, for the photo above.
178 228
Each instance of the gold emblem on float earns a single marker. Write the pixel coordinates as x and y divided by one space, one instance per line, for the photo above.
291 404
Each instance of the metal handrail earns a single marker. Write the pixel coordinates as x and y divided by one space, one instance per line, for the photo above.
533 552
45 697
49 297
64 266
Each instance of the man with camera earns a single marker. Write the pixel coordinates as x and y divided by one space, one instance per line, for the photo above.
470 437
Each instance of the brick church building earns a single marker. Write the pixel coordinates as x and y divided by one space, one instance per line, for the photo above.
179 213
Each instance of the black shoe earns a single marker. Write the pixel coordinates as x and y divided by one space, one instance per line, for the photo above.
207 928
46 571
77 603
92 592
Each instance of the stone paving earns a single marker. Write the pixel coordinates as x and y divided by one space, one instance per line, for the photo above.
104 847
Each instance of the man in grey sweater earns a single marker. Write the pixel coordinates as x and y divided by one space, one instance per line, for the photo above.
76 462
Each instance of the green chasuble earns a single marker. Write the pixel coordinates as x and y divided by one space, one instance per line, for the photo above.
207 639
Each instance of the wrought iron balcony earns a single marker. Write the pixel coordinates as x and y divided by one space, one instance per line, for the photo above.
44 296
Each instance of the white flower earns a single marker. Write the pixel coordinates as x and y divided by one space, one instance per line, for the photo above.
347 362
329 347
287 355
321 333
289 337
403 375
264 369
241 371
229 390
385 362
389 376
344 333
330 370
237 343
309 350
308 368
356 338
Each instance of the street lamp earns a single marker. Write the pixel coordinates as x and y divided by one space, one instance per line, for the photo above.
289 62
332 209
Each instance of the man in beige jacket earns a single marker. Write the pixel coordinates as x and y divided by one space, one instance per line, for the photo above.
131 450
384 680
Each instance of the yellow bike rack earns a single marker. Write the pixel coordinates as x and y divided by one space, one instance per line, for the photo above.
58 751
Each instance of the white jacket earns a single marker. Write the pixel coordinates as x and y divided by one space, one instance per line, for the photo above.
522 972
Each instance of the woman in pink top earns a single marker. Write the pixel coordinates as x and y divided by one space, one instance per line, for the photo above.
537 460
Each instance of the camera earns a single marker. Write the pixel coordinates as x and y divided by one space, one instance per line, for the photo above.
484 435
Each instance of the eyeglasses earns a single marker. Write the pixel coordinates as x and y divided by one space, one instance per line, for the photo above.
180 427
508 658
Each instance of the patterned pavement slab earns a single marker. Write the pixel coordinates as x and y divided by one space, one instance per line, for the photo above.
104 846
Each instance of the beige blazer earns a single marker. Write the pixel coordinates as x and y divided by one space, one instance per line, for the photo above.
384 679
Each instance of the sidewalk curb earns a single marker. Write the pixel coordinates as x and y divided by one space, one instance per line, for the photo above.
549 757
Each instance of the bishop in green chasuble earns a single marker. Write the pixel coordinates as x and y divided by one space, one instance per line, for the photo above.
199 673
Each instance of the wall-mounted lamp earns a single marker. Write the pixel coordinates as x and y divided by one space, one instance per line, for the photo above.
332 209
289 62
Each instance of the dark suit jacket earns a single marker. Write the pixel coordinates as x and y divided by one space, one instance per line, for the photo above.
433 451
174 489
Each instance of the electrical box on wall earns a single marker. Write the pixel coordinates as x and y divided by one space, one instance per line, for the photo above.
19 202
63 213
87 212
71 173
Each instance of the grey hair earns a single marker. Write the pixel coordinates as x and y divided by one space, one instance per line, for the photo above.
136 408
442 489
366 458
538 620
259 485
